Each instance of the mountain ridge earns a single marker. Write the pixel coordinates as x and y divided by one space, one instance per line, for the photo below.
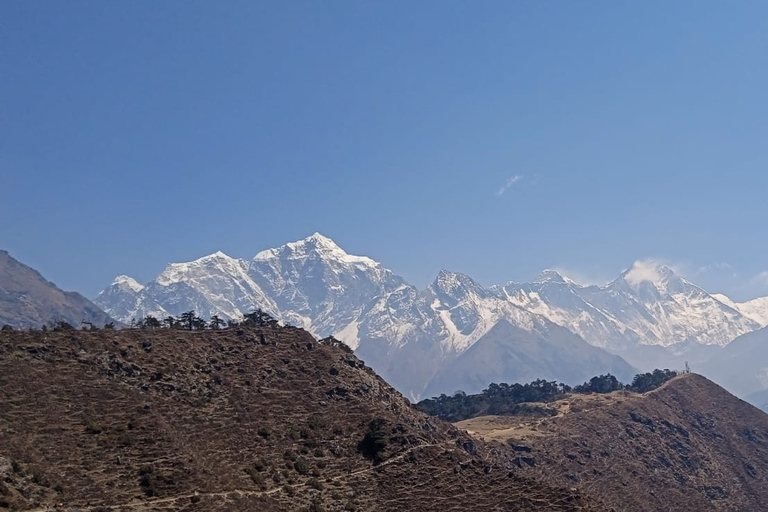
29 300
647 315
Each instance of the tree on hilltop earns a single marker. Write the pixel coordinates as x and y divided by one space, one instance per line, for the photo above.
260 318
216 323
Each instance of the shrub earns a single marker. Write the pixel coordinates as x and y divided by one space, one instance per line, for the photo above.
301 466
256 478
63 326
316 422
146 480
600 384
91 427
644 382
375 440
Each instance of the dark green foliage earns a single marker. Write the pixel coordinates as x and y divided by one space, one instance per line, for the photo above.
316 422
256 477
333 342
190 321
600 384
109 326
216 323
644 382
301 467
260 318
151 322
316 507
146 480
91 427
187 320
499 399
375 440
63 326
6 328
510 399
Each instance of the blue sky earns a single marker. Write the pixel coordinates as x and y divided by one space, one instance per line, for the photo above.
492 138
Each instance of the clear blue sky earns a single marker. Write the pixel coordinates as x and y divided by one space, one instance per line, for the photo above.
136 133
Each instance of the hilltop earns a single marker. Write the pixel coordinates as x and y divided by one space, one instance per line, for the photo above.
239 419
687 446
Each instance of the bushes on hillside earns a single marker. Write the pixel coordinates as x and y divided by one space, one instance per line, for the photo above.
600 384
375 440
644 382
509 399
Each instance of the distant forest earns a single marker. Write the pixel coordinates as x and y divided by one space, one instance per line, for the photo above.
516 399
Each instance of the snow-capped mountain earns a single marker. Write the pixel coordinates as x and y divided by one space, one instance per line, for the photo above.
755 309
408 334
647 308
213 285
318 286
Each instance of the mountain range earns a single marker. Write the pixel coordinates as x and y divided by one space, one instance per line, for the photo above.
418 338
28 300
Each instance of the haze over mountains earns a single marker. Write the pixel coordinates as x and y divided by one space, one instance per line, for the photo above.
27 299
648 315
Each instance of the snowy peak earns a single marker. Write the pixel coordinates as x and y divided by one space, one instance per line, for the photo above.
552 276
216 262
648 271
314 246
755 309
454 284
127 284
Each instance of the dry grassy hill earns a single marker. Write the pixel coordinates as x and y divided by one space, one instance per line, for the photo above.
687 446
262 420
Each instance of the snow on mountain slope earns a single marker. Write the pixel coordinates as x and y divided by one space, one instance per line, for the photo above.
665 309
125 300
755 309
407 333
316 285
560 300
212 285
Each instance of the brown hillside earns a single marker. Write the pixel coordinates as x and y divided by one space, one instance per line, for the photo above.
688 446
230 420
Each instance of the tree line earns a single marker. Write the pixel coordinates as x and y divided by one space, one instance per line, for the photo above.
190 321
515 399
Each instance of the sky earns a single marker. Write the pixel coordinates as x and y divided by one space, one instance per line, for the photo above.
491 138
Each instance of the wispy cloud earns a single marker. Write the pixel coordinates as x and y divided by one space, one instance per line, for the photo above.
509 183
585 277
761 278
